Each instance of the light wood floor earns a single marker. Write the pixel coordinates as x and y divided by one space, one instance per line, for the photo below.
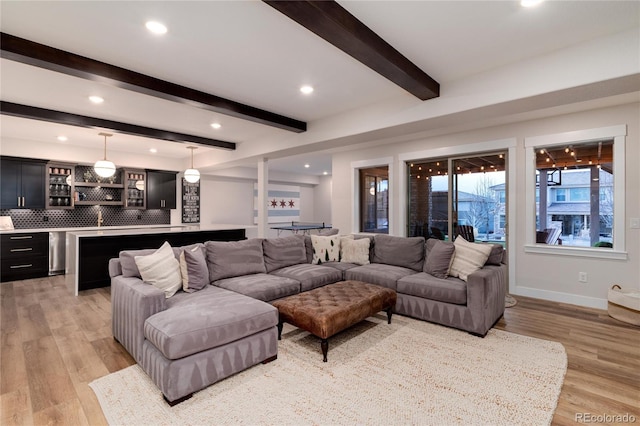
54 344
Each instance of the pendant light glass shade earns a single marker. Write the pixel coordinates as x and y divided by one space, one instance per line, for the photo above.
191 175
105 168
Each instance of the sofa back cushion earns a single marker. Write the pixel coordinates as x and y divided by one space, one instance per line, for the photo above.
438 257
234 258
399 251
283 252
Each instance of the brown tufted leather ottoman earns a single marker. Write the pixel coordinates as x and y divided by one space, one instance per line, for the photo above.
328 310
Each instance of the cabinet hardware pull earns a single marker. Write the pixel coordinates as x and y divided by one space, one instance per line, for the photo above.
19 201
27 237
22 249
21 266
22 201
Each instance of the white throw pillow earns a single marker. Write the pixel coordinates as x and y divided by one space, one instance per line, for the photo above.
355 251
468 258
161 269
342 238
325 249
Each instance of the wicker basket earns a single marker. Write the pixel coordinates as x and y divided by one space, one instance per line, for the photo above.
624 304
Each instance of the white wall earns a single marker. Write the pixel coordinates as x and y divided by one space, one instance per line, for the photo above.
323 191
226 200
545 276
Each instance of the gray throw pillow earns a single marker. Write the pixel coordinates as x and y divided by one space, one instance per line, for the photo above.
283 252
193 267
495 258
234 258
439 254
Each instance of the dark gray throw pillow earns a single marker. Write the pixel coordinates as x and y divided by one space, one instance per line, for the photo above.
439 254
193 267
495 258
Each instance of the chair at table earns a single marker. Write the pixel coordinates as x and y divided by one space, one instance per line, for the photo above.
436 233
553 236
466 232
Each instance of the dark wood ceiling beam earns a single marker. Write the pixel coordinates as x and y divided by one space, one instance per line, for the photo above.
42 114
336 25
39 55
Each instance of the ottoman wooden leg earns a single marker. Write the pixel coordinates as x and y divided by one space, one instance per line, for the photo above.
280 324
389 313
324 344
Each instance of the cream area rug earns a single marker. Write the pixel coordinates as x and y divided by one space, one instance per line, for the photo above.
408 372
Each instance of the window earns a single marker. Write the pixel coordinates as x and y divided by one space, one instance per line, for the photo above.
606 184
581 191
579 194
374 200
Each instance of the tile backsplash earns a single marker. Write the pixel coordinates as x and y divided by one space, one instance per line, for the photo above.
85 216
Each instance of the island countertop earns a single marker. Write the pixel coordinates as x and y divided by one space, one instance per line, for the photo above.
88 251
86 228
109 232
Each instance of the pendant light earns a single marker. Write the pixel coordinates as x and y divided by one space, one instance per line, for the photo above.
192 175
105 168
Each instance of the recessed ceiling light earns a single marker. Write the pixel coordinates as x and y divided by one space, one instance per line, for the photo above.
325 173
96 99
306 166
216 125
156 27
530 3
153 150
62 138
307 90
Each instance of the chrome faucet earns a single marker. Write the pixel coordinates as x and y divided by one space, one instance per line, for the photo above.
100 219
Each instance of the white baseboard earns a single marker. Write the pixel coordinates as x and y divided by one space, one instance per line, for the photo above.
555 296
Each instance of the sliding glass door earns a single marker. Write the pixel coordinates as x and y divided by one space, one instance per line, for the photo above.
458 196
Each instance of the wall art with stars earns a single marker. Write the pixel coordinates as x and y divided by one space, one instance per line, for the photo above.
283 203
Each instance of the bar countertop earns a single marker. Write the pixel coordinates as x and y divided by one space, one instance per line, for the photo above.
106 231
96 260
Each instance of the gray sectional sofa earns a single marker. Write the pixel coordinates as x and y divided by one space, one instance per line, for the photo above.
193 339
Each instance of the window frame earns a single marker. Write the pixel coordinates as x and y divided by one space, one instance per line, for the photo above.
355 187
618 135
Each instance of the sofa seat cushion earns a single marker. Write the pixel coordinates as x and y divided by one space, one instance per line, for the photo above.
310 276
265 287
378 273
213 320
449 290
340 266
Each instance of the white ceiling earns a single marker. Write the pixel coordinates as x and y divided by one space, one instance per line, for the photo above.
248 52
